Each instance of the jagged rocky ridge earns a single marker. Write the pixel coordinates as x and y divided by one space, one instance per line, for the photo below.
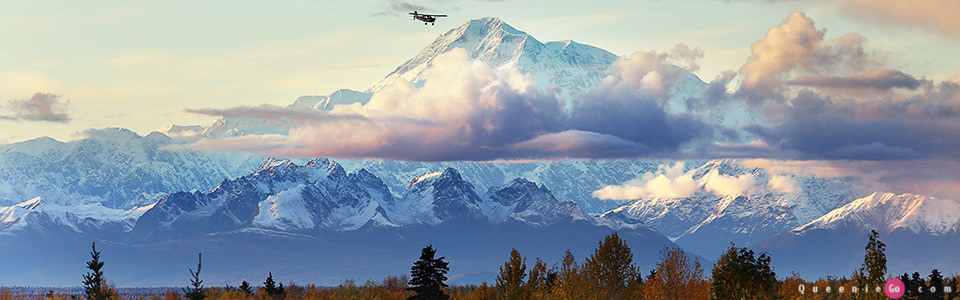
313 214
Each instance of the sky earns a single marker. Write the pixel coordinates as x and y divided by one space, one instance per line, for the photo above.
69 66
863 88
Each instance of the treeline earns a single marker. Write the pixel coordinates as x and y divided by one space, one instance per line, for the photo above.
607 273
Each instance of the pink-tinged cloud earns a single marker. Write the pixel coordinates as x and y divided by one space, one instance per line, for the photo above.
41 107
467 111
782 49
577 144
796 48
936 15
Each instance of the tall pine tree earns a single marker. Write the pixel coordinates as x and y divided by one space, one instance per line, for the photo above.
195 292
935 285
94 284
245 288
270 286
427 276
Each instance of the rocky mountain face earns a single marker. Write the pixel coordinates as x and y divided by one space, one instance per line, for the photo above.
114 167
298 207
706 222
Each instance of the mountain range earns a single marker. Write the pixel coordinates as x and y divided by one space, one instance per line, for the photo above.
322 221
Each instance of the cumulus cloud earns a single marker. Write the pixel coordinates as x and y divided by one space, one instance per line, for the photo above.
631 105
728 185
672 182
42 107
714 94
796 53
783 184
467 111
784 48
666 182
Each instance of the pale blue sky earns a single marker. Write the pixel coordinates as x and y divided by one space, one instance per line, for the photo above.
138 64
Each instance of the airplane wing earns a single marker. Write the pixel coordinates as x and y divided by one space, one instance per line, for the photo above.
436 16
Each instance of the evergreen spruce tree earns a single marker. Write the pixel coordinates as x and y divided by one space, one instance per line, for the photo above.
427 276
909 286
510 281
245 288
93 282
740 274
196 291
270 286
917 281
610 268
935 281
873 271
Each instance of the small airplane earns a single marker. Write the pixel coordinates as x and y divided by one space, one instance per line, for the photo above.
426 18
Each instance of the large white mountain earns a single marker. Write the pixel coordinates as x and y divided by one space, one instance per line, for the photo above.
572 67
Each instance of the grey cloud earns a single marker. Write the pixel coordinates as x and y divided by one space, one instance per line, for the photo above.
842 55
576 144
42 107
819 128
683 56
714 94
477 113
299 115
878 80
400 8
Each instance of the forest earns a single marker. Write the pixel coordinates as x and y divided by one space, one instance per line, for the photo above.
608 273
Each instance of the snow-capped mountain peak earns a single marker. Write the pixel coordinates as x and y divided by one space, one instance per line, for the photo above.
886 212
573 67
31 204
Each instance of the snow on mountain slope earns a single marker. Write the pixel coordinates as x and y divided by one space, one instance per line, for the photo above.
435 198
534 204
706 222
886 212
920 233
573 67
568 180
339 97
38 216
285 211
279 195
112 166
